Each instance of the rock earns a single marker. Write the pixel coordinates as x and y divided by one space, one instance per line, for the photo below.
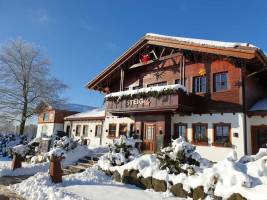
198 193
159 185
146 183
125 177
217 198
178 190
107 172
116 176
236 196
130 177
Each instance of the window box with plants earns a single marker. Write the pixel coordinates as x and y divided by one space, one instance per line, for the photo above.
226 143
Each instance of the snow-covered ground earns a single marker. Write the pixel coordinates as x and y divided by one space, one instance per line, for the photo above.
72 156
246 176
91 184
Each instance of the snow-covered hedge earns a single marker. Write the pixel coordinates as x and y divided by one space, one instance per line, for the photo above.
122 151
8 141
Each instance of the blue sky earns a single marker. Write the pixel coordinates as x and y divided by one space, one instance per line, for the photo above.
82 37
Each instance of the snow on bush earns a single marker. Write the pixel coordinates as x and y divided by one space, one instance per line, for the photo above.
70 149
8 141
121 152
65 143
180 157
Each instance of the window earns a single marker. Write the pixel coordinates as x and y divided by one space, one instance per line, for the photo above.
78 130
220 81
112 130
123 129
222 133
157 84
179 131
98 130
46 117
199 84
85 130
200 133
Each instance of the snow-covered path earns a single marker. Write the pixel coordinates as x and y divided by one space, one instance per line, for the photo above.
118 192
92 184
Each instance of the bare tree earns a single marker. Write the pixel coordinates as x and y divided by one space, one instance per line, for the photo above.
25 81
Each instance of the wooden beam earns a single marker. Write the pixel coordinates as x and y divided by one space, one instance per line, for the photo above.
247 54
151 61
162 52
257 72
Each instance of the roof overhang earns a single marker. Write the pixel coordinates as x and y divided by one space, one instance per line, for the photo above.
237 52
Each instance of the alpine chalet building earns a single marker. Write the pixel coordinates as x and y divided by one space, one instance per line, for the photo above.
212 93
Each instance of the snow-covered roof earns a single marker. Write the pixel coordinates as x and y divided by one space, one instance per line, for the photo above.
92 114
204 42
261 105
209 46
146 90
71 107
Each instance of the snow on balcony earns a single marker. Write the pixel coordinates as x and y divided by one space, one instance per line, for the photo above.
162 88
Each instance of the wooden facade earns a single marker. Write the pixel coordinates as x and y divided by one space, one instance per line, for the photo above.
173 62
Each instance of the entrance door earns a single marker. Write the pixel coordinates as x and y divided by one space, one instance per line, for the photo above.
259 138
68 130
149 137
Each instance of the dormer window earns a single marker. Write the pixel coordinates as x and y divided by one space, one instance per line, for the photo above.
46 117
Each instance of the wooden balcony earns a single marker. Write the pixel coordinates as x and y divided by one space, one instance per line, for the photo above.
165 103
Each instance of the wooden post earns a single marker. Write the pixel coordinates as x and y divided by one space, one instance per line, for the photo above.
122 80
55 169
16 162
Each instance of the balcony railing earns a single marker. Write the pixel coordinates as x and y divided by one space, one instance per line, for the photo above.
170 102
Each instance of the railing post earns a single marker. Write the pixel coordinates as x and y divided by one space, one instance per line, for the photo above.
17 161
55 169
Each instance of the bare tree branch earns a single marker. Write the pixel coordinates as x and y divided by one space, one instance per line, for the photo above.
25 81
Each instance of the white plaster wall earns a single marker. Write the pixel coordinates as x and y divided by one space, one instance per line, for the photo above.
110 119
254 121
58 127
212 152
50 128
93 141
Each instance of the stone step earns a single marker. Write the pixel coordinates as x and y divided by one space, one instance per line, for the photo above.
86 165
84 160
66 172
76 169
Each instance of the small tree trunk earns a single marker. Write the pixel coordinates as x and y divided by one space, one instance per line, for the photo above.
22 126
24 116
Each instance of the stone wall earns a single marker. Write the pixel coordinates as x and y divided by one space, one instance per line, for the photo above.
131 177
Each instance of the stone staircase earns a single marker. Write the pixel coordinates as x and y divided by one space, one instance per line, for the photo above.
81 165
